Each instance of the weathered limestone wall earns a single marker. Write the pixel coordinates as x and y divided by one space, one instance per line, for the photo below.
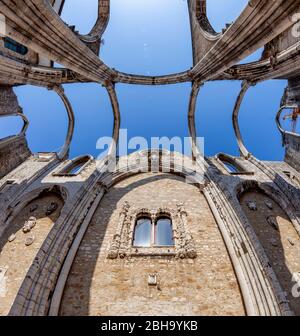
292 155
13 152
203 286
8 101
278 237
15 256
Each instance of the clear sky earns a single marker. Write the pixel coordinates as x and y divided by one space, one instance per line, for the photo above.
151 37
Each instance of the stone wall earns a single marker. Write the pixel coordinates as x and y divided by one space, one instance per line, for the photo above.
15 256
292 155
278 237
13 152
8 101
205 285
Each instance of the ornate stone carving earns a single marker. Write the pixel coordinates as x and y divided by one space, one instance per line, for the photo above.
271 220
152 280
29 241
29 225
117 245
121 246
34 208
51 208
269 205
252 206
186 243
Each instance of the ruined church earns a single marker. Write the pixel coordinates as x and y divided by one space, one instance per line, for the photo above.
79 240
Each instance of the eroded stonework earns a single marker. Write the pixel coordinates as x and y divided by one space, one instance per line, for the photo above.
21 242
186 286
279 238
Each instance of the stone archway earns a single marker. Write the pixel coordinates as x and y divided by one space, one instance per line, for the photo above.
277 235
22 240
98 285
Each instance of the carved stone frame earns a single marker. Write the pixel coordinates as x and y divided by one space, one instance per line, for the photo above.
122 244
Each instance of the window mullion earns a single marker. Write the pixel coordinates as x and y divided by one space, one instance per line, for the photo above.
153 233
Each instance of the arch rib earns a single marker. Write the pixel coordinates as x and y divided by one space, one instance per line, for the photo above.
259 23
102 21
117 119
191 119
71 121
235 120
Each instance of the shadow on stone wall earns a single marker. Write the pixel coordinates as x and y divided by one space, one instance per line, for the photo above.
278 237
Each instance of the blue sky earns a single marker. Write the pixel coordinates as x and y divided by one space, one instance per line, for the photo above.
151 37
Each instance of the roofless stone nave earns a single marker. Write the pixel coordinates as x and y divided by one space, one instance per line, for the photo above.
69 232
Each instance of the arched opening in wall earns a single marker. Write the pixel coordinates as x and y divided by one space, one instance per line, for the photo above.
74 167
151 116
257 116
149 37
111 276
22 239
163 232
10 126
143 232
277 235
214 117
93 118
153 233
221 13
80 16
231 165
48 118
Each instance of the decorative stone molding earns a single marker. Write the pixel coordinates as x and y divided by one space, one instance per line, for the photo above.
122 247
186 242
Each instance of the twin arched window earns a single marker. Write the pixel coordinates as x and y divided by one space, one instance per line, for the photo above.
153 234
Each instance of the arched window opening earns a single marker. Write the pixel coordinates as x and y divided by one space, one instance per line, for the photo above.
164 232
10 126
75 167
79 16
15 46
222 13
75 170
231 165
142 234
150 233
